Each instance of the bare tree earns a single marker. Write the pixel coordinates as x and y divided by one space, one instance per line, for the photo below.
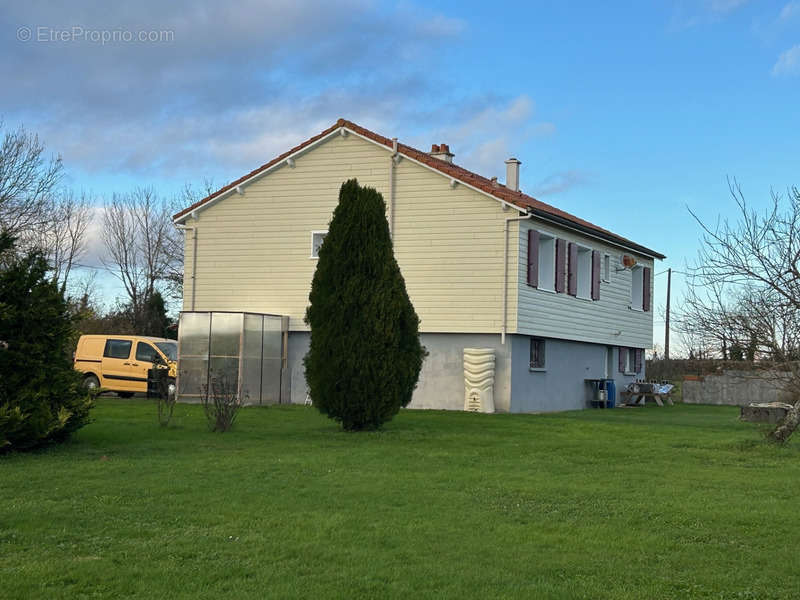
27 178
136 232
745 292
61 237
706 319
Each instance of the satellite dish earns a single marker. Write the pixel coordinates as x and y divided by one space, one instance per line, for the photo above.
628 261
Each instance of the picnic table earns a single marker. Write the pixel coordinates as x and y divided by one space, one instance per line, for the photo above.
637 394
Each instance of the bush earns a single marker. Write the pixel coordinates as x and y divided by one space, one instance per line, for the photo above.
41 397
365 355
222 401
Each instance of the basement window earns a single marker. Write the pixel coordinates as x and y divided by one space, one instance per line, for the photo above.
537 353
317 237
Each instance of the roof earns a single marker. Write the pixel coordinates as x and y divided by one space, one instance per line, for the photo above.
490 187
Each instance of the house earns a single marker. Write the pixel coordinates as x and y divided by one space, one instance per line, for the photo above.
558 299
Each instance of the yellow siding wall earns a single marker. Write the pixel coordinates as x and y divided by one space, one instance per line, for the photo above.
449 244
253 249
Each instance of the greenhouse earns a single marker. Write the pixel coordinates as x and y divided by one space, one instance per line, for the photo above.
247 350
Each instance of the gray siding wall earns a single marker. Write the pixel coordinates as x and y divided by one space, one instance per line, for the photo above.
610 320
561 385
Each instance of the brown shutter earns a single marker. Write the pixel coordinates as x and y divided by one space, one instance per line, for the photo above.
621 360
533 258
561 263
639 353
572 270
595 275
646 289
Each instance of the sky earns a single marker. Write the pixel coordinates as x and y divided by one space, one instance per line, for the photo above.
627 114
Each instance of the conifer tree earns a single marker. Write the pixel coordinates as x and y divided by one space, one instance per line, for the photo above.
365 355
41 397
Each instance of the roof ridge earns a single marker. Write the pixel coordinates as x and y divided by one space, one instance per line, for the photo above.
484 184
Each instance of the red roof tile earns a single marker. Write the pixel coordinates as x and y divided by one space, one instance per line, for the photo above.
494 189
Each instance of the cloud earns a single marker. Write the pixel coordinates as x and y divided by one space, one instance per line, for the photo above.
725 6
788 62
789 12
483 133
559 182
692 13
236 83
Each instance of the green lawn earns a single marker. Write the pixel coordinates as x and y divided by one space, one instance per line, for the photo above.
674 502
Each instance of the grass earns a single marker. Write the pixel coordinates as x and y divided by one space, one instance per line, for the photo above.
674 502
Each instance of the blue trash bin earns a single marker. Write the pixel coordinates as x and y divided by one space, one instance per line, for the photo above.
611 391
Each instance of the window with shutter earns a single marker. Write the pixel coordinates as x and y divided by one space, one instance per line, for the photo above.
637 288
572 269
638 362
533 258
595 275
623 358
561 263
547 262
646 289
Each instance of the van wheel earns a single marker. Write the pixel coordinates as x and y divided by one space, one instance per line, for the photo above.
91 382
125 394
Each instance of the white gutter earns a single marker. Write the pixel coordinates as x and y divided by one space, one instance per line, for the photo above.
505 273
392 158
194 258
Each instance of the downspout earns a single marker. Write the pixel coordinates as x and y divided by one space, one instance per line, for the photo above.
505 273
391 186
194 258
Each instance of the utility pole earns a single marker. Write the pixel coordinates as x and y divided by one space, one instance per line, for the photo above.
666 321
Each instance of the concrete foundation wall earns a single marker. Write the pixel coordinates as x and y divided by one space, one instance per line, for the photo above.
441 381
561 384
735 388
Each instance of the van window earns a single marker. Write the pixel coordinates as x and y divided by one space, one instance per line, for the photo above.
170 350
145 352
118 348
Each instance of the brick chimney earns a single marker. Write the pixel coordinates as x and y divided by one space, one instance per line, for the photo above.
442 151
512 174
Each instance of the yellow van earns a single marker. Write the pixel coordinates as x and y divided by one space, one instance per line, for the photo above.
120 362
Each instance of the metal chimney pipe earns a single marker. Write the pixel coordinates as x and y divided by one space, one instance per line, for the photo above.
512 174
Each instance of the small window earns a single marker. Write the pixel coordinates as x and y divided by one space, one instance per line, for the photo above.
637 287
547 262
631 360
118 348
537 353
146 353
584 273
606 268
317 237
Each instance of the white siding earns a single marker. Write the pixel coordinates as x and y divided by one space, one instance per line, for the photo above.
610 320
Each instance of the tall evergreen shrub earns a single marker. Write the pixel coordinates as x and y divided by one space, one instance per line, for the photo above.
41 398
365 355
